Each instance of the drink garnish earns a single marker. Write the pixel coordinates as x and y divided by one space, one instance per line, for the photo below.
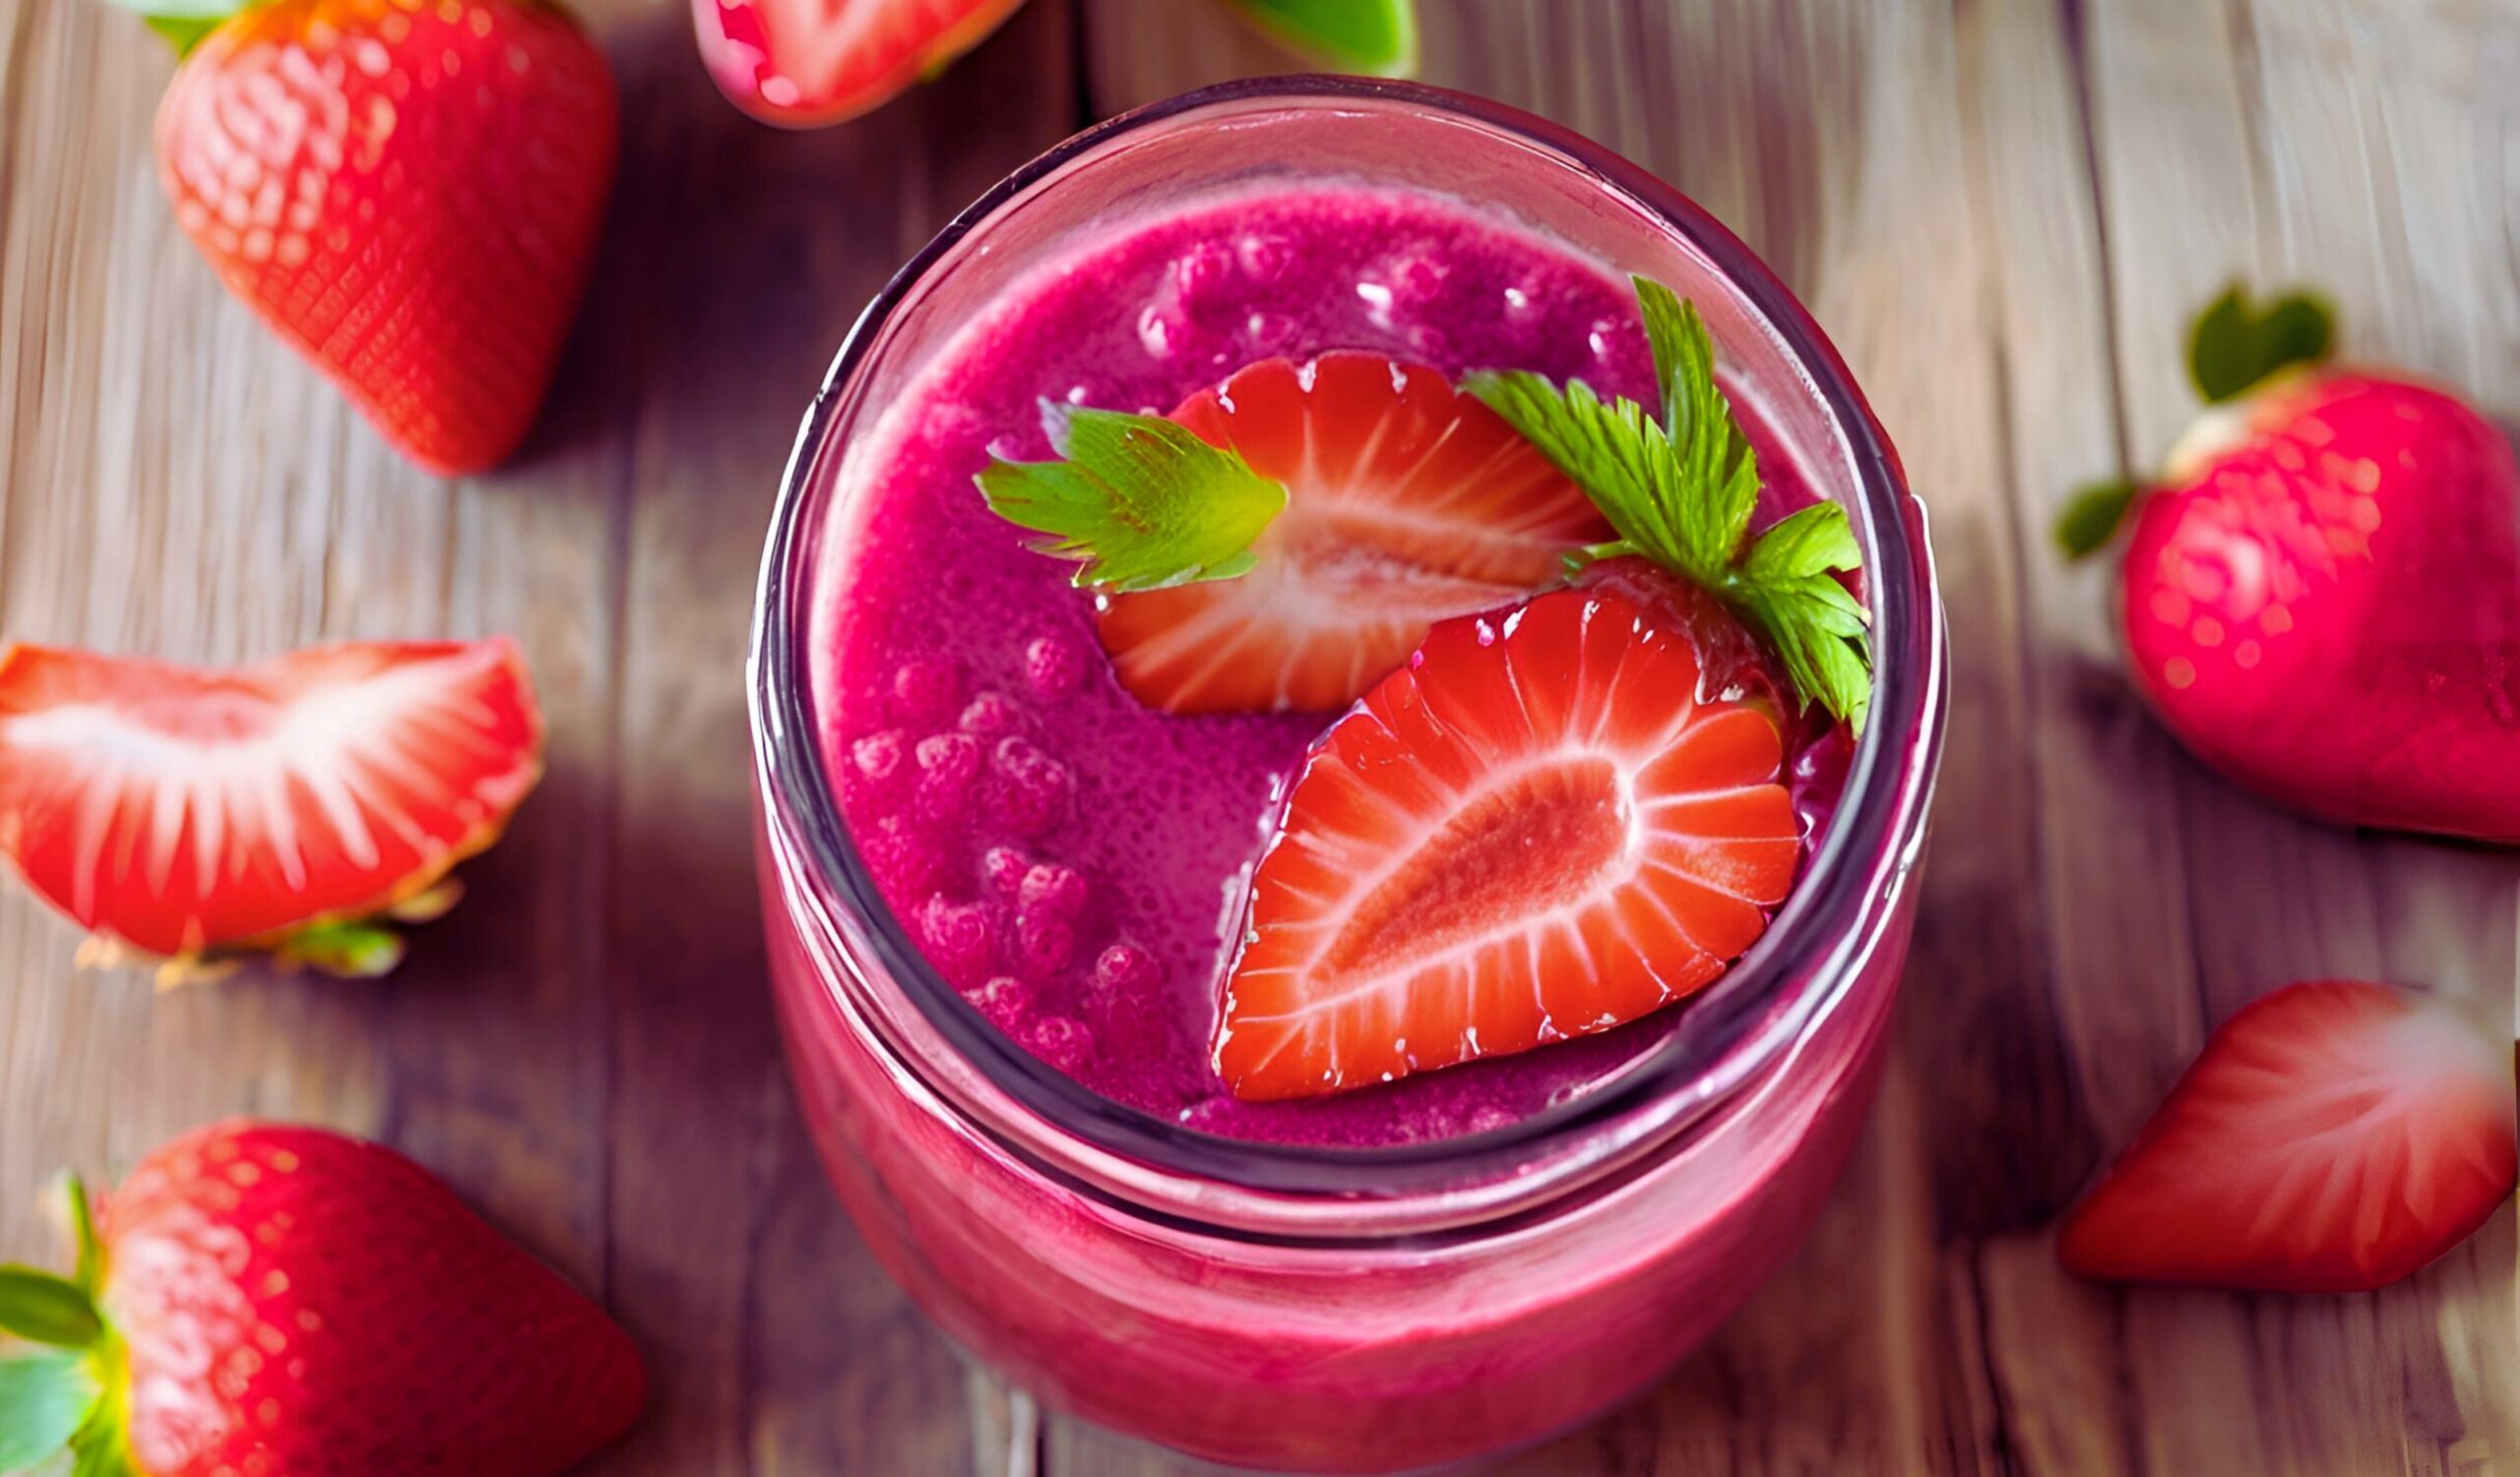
1143 504
1682 491
1542 826
1140 501
1383 499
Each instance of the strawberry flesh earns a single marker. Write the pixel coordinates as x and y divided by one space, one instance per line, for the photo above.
179 809
1407 503
2333 1136
1545 825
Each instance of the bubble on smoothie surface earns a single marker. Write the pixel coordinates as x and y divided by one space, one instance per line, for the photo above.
905 859
1417 279
1003 999
1268 334
990 714
1265 256
949 771
1032 789
1003 868
1204 275
1054 666
879 765
1161 330
1063 1041
925 690
1045 945
957 940
1125 970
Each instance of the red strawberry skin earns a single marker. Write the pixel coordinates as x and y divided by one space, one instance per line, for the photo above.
294 1303
409 192
2333 1136
809 63
2325 603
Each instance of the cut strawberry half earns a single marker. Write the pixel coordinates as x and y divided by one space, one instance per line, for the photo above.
803 63
1407 503
180 811
2333 1136
1539 828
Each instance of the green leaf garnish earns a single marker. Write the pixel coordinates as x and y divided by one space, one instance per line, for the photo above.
2235 345
1377 37
1682 491
2094 514
47 1309
1139 502
44 1400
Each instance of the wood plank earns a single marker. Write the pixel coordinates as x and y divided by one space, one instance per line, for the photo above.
743 254
2259 141
584 1049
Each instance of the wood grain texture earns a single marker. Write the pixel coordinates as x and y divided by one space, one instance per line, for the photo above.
584 1049
2002 210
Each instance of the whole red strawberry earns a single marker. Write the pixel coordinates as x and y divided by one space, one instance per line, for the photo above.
2322 594
408 191
290 1301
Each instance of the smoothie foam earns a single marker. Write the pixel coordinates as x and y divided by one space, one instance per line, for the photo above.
1069 858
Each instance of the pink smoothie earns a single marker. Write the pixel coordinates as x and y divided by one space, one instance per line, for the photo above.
1069 858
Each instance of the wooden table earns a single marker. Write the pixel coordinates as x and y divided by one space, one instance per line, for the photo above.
2002 210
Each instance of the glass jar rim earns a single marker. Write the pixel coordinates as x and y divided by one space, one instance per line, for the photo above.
1734 1028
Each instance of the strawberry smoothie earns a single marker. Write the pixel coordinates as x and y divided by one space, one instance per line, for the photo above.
1066 856
1016 833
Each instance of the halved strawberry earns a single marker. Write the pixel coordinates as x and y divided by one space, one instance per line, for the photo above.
180 809
803 63
1407 503
1541 827
2333 1136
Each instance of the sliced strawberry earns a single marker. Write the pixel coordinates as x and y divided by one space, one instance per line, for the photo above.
2333 1136
1539 828
803 63
1407 503
183 810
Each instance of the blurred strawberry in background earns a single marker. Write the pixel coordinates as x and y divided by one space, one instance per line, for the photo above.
409 192
2321 593
806 63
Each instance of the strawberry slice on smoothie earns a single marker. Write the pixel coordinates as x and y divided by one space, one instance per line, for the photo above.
2333 1136
1407 503
1284 538
190 812
1548 819
1535 830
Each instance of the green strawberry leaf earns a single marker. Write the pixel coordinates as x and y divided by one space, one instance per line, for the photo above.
184 32
2093 516
349 951
44 1400
47 1309
184 23
90 1272
2235 345
1139 502
1376 38
1681 492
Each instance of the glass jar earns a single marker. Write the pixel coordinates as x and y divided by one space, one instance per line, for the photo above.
1344 1310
